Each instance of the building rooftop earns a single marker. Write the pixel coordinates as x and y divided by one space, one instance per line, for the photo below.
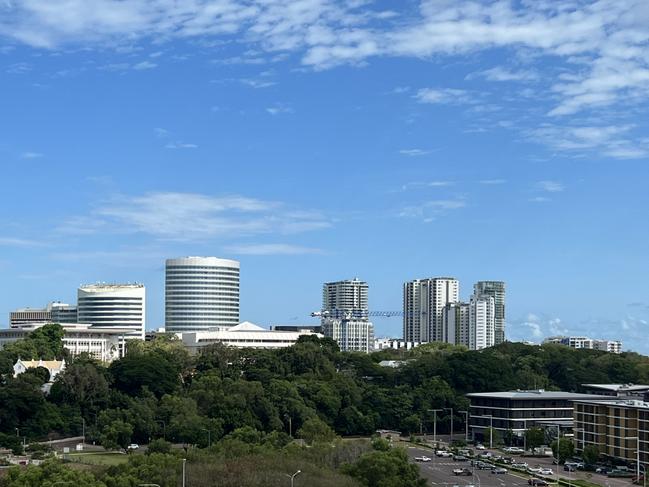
618 387
630 403
104 285
535 394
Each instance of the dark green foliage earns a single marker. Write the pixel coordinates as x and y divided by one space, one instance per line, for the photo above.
590 454
385 469
534 437
563 449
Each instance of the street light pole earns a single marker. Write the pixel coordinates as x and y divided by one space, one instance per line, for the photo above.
466 421
292 477
451 409
184 462
637 453
434 411
209 437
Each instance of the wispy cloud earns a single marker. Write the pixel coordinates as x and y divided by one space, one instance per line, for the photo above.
20 242
144 65
492 181
278 109
195 217
442 96
272 249
31 155
414 152
502 74
427 184
180 145
550 186
430 210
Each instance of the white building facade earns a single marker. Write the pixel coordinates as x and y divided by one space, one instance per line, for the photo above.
351 335
481 322
423 304
201 293
101 343
244 335
113 305
583 342
495 289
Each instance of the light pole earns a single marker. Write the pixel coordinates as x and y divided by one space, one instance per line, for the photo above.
184 462
292 477
434 411
491 429
524 436
83 431
209 436
466 420
451 409
290 424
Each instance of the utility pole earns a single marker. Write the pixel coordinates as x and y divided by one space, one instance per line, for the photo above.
451 409
466 421
434 411
184 462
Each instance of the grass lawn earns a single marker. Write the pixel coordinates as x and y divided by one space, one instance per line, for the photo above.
101 458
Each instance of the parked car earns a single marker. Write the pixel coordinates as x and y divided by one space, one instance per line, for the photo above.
486 455
480 447
536 469
133 446
546 471
423 458
620 474
569 467
513 449
443 453
460 458
485 466
537 482
462 471
521 465
498 470
602 470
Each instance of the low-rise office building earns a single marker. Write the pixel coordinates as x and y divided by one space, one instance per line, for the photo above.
581 342
54 312
628 391
244 335
517 411
101 343
619 428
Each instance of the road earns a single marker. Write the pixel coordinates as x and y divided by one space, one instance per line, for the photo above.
440 472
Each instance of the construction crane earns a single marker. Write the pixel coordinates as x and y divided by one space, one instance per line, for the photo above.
355 314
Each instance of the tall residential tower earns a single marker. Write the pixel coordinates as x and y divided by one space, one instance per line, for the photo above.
345 315
423 304
201 293
495 289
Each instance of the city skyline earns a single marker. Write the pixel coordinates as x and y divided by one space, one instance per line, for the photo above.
499 140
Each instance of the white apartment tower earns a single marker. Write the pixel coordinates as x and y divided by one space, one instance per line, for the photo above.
423 304
495 289
201 293
456 323
113 305
345 316
345 299
482 310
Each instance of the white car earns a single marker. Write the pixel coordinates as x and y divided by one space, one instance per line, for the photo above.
546 471
423 458
534 469
480 447
133 446
443 453
513 449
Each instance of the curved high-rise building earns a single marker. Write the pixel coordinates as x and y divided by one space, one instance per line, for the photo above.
113 305
201 293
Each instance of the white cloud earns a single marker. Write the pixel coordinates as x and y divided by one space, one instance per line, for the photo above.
414 152
492 181
19 242
195 217
180 145
278 109
144 65
550 186
502 74
429 211
272 249
442 96
427 184
539 199
31 155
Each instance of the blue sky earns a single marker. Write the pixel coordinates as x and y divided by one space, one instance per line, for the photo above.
318 140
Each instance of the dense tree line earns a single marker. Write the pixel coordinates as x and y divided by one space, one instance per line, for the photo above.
265 397
157 390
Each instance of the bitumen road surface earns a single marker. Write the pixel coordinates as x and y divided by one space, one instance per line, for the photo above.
439 472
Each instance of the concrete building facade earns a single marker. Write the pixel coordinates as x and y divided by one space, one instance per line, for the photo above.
201 293
113 305
495 289
423 304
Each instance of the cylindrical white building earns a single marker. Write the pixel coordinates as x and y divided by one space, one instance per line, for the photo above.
201 293
113 305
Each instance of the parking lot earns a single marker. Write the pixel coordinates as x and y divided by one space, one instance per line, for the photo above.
439 471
